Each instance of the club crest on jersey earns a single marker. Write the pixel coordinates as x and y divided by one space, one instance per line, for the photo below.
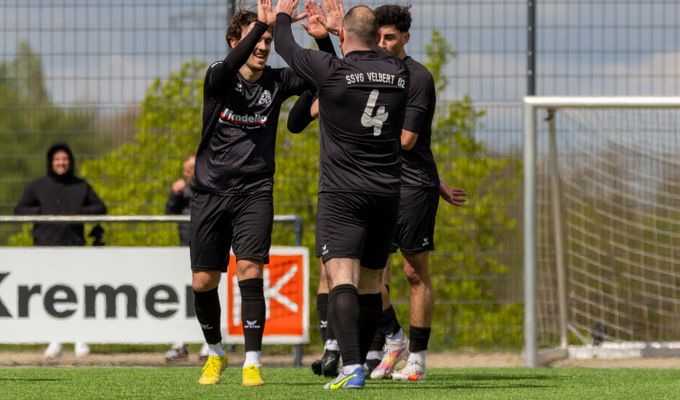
229 117
265 98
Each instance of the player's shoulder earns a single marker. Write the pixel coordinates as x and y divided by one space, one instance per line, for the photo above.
278 74
398 63
418 71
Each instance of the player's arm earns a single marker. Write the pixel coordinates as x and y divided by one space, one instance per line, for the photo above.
306 108
420 93
176 201
93 205
222 72
408 139
316 27
455 196
301 116
314 66
29 204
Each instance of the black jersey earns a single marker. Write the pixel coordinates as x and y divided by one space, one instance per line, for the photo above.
236 153
418 168
362 100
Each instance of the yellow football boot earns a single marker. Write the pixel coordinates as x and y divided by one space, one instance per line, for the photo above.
251 376
212 370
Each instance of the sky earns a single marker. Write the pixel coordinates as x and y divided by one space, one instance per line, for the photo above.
104 53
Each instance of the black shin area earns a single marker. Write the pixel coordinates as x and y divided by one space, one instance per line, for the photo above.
253 310
343 316
208 313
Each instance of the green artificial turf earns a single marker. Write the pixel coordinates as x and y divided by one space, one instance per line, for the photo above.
300 383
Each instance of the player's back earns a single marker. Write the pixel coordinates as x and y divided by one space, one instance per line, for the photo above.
362 104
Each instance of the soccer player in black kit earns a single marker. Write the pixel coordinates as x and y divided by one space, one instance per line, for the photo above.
233 182
362 99
420 191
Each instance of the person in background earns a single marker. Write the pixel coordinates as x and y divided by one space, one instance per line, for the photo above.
179 203
60 192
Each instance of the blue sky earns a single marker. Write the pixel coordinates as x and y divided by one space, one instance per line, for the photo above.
105 52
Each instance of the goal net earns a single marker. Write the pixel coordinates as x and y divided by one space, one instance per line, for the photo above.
602 227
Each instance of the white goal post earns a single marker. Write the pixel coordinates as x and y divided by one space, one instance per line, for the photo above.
625 158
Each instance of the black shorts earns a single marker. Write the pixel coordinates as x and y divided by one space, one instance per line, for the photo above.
356 225
417 213
219 222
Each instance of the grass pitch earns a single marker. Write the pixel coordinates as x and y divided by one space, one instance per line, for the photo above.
299 383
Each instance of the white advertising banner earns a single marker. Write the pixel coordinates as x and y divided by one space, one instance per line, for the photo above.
100 295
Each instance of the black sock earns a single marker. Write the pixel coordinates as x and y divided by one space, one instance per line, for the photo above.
370 308
253 311
330 333
388 325
343 315
322 310
419 338
209 315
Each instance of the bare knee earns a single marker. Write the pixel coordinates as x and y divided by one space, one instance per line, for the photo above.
249 269
204 281
412 276
416 268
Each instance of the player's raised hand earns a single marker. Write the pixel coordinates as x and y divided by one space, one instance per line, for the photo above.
265 13
316 20
289 7
455 196
335 12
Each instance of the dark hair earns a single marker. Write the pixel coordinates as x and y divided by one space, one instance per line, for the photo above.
239 22
399 16
361 22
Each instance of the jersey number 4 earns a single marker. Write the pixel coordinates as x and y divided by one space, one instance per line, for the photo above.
376 121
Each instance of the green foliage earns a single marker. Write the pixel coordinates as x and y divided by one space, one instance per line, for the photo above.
29 123
135 178
438 52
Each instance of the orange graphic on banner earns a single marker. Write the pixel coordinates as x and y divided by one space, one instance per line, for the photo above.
284 283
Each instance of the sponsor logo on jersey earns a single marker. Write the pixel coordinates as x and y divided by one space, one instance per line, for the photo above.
265 98
229 117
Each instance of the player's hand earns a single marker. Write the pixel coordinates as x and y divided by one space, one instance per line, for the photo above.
178 186
265 13
316 20
289 7
314 109
335 12
455 196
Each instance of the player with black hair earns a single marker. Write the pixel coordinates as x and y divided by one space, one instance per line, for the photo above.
420 191
233 181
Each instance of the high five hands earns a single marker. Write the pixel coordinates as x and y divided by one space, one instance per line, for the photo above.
264 7
320 22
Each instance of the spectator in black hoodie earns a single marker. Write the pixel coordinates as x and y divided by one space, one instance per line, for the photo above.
60 193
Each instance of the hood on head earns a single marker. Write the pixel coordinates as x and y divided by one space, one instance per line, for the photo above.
50 153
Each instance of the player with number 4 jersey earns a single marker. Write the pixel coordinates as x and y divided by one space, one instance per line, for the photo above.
362 100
